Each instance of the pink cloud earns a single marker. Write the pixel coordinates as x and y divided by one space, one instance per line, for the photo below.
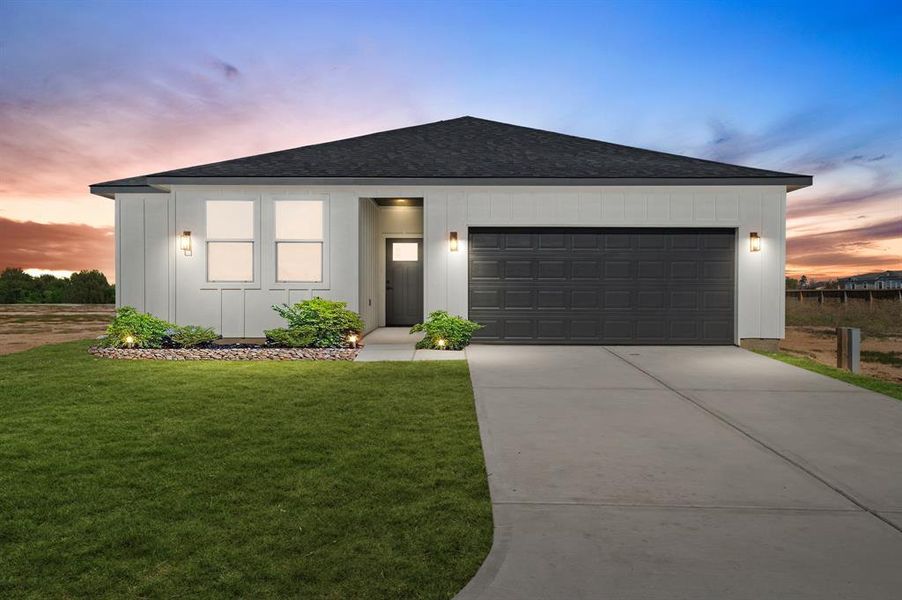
56 247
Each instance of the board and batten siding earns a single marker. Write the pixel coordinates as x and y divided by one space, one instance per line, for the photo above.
232 309
153 275
144 255
370 308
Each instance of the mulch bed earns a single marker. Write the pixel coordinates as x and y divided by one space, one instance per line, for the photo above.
226 353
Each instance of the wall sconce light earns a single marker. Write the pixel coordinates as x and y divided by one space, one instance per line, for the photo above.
452 241
185 242
754 242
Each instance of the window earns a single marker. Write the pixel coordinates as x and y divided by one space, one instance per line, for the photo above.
404 251
299 240
230 241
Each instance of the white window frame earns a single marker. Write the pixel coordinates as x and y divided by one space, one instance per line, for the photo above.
255 253
323 282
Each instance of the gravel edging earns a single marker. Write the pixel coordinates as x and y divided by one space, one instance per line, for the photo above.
232 354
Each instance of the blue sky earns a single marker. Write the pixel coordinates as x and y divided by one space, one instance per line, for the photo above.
99 90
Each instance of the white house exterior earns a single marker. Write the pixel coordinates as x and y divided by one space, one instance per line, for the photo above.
288 238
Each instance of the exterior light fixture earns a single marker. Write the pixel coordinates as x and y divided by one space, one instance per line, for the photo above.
352 339
452 241
185 242
440 343
129 340
754 242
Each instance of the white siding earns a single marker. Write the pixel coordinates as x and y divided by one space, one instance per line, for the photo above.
143 253
245 309
369 270
153 275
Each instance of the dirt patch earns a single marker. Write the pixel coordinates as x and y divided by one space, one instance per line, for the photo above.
819 343
24 326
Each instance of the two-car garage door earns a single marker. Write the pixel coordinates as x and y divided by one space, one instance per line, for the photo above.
602 286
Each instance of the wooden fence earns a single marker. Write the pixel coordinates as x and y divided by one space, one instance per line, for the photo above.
844 296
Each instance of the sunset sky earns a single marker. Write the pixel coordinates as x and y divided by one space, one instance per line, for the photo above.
92 91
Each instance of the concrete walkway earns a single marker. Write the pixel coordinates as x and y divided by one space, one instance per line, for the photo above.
662 473
396 343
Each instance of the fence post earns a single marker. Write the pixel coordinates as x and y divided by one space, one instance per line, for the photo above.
848 349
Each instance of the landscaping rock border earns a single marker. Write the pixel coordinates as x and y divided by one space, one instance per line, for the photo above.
233 354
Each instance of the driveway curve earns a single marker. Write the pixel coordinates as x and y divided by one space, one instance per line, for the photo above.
650 472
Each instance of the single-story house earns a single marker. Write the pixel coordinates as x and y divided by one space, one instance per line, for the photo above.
543 238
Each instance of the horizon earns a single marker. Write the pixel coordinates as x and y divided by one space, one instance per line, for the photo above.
807 88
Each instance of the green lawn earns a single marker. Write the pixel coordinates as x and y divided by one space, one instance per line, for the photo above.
252 480
889 388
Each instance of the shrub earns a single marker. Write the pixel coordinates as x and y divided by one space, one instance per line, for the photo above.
298 337
132 329
454 331
191 336
330 321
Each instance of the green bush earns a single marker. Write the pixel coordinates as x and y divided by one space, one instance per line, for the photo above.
330 322
455 332
191 336
132 329
298 337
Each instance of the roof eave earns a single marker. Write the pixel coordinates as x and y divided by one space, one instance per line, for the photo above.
792 182
110 191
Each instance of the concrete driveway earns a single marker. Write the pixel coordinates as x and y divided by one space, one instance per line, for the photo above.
650 472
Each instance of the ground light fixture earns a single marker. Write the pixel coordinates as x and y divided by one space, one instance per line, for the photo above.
754 242
129 340
452 241
185 242
352 339
440 343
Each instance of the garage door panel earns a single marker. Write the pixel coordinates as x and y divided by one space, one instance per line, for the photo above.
485 299
717 299
685 241
552 299
651 269
553 269
586 241
584 269
718 270
584 300
552 241
518 269
617 269
485 269
485 241
603 286
520 329
652 241
514 241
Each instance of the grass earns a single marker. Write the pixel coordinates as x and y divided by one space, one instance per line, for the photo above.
259 479
894 390
884 318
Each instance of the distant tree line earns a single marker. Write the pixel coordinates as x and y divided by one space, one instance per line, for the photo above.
84 287
803 283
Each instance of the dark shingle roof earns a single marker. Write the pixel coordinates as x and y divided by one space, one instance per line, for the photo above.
468 148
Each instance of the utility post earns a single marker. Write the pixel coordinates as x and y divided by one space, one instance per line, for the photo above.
848 348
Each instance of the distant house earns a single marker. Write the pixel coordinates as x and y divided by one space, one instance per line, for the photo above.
887 280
